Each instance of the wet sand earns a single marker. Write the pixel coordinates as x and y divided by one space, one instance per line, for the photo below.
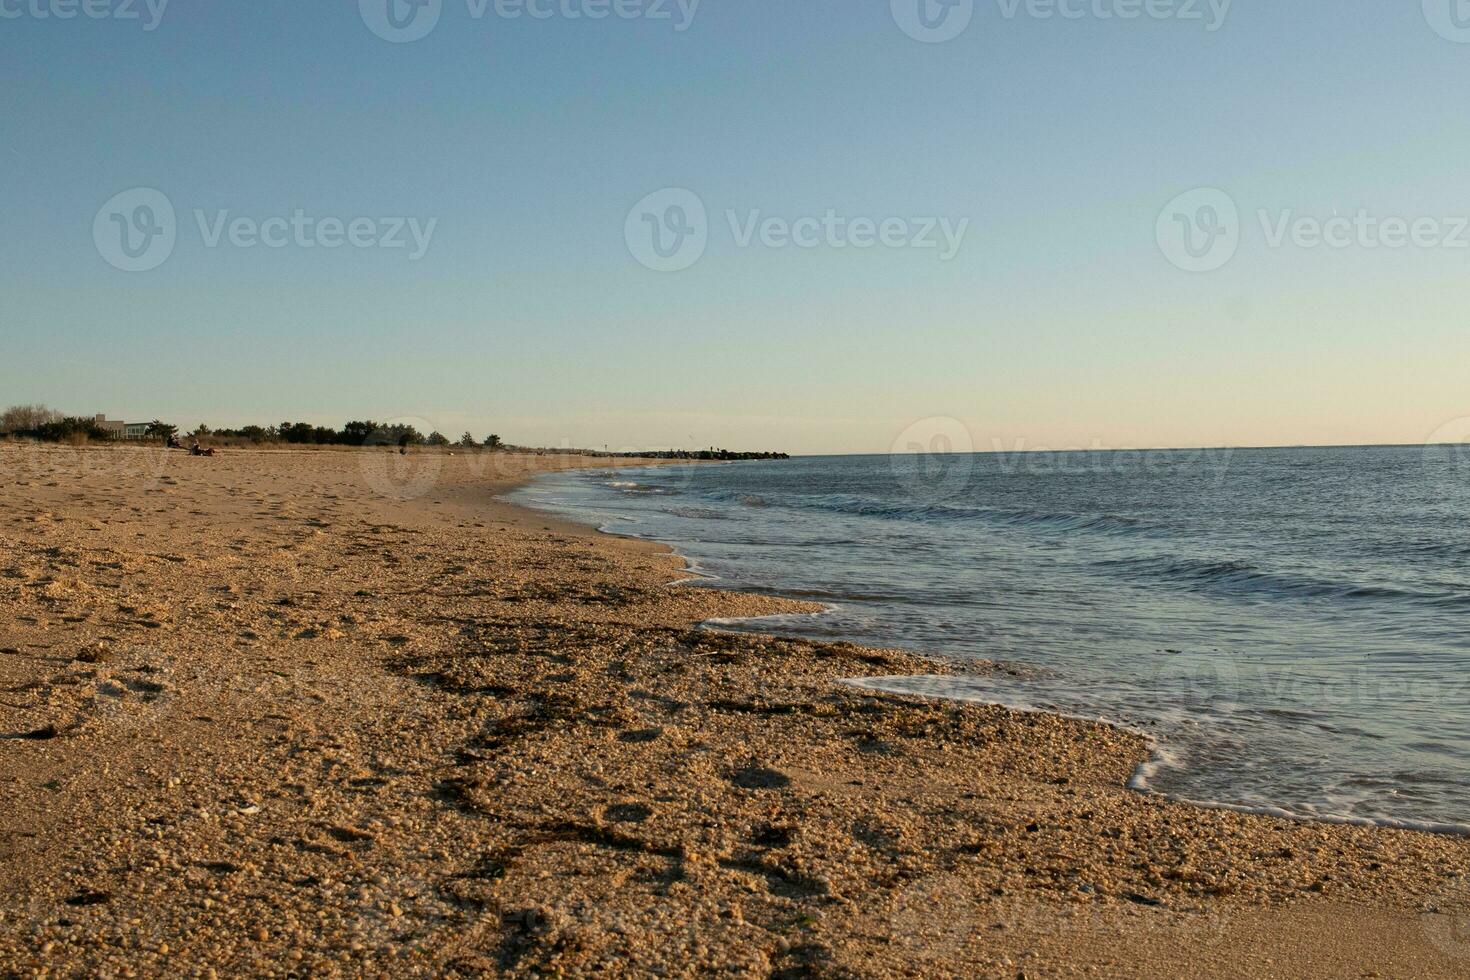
333 713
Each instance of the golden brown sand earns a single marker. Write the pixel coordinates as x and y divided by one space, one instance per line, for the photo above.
330 713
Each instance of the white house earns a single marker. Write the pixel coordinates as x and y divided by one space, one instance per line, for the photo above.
122 430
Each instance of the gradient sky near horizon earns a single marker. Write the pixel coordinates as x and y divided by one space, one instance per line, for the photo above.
1060 322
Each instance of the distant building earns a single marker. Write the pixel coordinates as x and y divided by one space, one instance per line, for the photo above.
122 430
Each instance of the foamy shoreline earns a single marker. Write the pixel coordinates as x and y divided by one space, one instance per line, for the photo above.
1166 753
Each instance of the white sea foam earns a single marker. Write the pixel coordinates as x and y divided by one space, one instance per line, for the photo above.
728 622
1162 756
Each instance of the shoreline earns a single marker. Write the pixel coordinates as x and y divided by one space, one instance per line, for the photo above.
263 718
1139 780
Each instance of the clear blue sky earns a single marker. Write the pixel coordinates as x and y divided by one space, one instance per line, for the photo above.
1059 322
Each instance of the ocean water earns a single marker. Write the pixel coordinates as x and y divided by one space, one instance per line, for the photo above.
1291 627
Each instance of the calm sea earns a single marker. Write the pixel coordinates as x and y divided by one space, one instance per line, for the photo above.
1291 627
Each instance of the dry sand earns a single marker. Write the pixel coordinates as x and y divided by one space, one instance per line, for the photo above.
330 713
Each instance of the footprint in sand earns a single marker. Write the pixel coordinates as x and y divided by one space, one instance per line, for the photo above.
759 777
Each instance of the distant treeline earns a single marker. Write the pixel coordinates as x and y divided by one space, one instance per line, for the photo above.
62 428
48 425
40 422
367 433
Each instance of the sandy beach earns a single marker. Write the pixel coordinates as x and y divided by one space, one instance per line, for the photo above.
344 713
